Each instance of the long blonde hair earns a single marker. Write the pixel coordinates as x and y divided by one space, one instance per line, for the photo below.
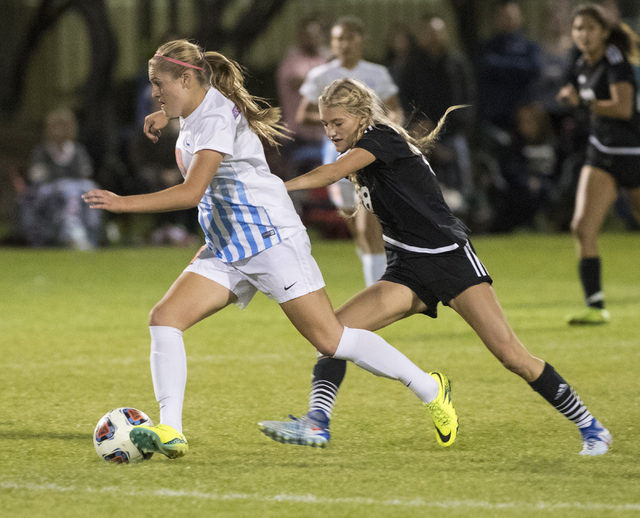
226 76
359 100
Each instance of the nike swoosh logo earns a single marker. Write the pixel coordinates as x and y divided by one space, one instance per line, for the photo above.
444 438
290 286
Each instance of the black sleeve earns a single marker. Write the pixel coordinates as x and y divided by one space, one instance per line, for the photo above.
620 73
385 144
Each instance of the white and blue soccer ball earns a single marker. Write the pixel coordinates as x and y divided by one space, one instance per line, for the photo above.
111 436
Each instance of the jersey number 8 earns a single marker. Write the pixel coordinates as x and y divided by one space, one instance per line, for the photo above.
365 198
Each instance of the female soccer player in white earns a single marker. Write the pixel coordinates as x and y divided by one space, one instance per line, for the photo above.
430 258
254 239
603 81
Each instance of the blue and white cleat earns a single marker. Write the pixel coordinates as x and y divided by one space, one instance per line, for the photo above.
311 429
596 439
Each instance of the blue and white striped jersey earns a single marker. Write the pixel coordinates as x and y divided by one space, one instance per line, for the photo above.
246 208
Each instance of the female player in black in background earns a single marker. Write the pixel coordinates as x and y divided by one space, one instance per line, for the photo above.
602 80
429 257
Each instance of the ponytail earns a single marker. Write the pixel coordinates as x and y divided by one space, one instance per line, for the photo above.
623 37
359 100
226 76
425 140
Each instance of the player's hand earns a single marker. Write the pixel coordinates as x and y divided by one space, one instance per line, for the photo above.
153 123
99 199
568 95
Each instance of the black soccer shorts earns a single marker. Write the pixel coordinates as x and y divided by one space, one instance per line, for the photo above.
436 277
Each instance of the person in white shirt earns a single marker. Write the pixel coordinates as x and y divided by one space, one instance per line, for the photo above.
347 40
254 238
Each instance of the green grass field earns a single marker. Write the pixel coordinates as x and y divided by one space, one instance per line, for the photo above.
75 344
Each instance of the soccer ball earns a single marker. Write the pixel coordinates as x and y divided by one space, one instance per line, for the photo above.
111 436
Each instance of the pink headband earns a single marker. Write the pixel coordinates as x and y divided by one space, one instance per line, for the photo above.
178 62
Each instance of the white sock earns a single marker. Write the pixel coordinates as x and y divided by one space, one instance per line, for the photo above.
169 373
373 267
372 353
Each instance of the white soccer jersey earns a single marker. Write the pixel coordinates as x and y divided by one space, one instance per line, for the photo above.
246 208
376 77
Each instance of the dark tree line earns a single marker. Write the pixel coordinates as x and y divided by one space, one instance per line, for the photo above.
98 124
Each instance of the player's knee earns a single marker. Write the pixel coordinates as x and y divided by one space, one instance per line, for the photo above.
326 349
324 345
580 229
576 227
158 316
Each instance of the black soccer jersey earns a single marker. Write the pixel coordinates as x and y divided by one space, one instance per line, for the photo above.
592 82
402 190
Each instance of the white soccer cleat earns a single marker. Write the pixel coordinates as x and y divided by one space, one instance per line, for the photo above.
311 429
596 439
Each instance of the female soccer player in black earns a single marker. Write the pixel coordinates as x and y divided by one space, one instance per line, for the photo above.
603 81
430 260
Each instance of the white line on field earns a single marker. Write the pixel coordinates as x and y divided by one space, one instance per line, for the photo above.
312 499
81 361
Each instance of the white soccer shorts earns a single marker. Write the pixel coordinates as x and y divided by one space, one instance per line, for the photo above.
283 272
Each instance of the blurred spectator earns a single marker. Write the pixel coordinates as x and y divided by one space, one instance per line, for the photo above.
347 44
508 66
557 54
528 170
435 78
304 152
50 209
400 46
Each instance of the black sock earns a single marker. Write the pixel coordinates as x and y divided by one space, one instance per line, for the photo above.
328 374
551 386
590 277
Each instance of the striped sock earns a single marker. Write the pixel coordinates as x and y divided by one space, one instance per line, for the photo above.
328 374
551 386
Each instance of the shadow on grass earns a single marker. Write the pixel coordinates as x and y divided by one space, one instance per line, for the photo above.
7 433
569 305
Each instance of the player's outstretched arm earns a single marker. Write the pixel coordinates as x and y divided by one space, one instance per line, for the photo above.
186 195
327 174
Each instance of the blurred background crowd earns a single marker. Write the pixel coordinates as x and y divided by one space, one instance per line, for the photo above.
75 92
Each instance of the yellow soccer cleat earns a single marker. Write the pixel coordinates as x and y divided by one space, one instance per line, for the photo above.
162 439
588 317
442 412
